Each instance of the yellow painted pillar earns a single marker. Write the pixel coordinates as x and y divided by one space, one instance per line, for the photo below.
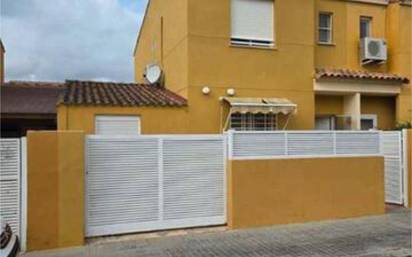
352 108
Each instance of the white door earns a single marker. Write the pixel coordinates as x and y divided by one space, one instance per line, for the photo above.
148 183
392 150
325 123
10 167
117 125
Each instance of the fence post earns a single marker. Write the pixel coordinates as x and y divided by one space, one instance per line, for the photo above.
286 143
230 144
405 165
335 152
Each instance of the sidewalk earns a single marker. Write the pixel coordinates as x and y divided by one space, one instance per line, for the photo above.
388 235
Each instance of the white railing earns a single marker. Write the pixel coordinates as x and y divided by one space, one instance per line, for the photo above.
296 144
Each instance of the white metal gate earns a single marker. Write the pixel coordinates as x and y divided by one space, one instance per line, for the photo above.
392 149
10 172
145 183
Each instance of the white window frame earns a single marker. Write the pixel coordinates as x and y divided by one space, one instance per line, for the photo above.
372 117
119 118
368 21
331 118
328 29
248 122
250 41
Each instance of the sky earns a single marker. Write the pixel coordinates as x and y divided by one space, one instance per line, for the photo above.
55 40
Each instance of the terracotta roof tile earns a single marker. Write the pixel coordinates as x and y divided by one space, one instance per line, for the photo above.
352 74
91 93
26 97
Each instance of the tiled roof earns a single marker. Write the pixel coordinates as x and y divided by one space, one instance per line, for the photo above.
24 97
352 74
90 93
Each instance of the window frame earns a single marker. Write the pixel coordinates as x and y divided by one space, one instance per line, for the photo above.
329 29
369 20
248 122
250 41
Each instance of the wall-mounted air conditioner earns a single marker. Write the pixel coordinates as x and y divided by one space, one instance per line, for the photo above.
373 50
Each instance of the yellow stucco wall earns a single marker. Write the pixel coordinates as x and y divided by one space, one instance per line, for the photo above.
329 105
197 53
280 191
154 120
55 175
252 72
391 22
165 44
383 107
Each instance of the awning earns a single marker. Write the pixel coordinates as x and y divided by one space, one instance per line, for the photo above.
260 105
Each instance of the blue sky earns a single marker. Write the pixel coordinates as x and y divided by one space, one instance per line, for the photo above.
54 40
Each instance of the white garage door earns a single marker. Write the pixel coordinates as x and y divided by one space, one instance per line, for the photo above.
117 125
150 183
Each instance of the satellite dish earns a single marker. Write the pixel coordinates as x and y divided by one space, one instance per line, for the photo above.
153 73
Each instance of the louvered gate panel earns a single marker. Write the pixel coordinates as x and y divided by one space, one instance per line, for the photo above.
193 175
122 185
391 147
258 144
316 143
357 143
10 182
147 183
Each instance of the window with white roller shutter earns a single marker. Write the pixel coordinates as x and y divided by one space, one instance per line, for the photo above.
117 125
252 23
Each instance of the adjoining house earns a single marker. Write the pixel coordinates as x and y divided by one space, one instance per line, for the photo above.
343 64
28 106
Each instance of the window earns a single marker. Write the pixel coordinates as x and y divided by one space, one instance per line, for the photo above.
325 28
251 121
365 27
325 122
369 121
117 125
252 23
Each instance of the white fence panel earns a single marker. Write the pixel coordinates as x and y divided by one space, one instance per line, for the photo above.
10 182
147 183
392 150
264 144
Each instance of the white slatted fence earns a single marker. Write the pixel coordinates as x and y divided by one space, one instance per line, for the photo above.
10 170
312 144
144 183
392 149
270 144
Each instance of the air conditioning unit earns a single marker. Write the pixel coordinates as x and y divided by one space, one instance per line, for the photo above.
373 50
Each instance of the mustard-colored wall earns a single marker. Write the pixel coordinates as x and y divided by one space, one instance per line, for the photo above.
384 107
400 54
329 105
391 22
280 191
154 120
285 71
55 175
165 46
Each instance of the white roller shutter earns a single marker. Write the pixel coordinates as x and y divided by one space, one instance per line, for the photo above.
117 125
253 19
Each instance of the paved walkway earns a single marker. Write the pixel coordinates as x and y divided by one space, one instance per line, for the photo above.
388 235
